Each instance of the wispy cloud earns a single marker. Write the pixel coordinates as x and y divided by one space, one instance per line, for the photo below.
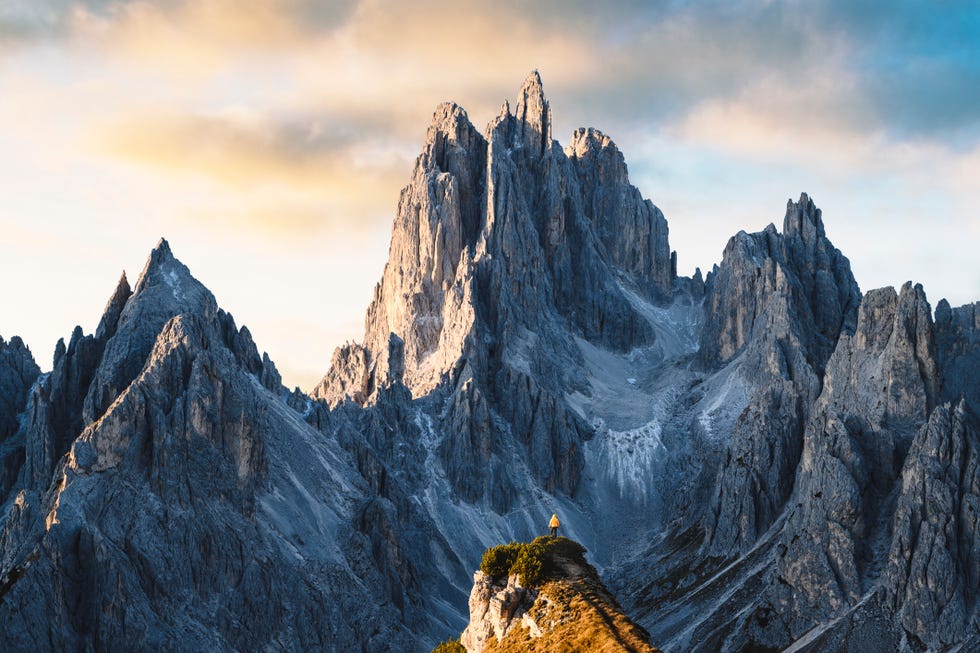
242 150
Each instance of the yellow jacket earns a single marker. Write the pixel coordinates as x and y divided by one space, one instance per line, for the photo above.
554 522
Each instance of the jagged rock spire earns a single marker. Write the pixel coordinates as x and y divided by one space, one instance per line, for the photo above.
165 288
113 308
802 267
17 373
499 239
534 113
803 218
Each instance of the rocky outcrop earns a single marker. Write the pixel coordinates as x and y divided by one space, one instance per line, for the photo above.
778 302
570 610
496 610
958 349
18 372
933 573
176 519
880 385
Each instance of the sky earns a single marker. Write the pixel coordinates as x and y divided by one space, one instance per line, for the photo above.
268 140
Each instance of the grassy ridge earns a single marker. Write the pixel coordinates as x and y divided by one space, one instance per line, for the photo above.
533 562
572 609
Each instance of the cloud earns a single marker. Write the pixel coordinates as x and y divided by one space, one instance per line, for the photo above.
26 20
260 19
915 69
290 179
241 151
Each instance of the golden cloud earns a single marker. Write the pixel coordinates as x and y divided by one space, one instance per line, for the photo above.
234 151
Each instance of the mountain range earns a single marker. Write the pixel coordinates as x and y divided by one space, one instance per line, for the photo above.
760 459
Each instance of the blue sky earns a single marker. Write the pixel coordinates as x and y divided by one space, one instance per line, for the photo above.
268 140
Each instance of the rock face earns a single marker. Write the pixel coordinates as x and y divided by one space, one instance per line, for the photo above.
800 270
779 302
933 570
18 372
419 295
880 384
504 249
180 516
496 610
958 350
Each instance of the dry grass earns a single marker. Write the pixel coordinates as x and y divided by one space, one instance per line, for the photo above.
576 613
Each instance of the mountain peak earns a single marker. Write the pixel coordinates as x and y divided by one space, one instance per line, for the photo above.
132 322
450 135
586 140
803 218
162 250
163 267
534 112
533 83
114 307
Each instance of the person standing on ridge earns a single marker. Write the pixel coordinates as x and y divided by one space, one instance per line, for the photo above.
553 525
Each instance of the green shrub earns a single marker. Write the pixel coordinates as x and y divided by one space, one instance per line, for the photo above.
497 560
532 561
449 646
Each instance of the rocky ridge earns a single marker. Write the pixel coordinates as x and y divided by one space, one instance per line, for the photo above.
176 517
571 610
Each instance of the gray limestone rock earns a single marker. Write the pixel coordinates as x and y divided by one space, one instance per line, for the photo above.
18 373
759 470
165 289
632 230
773 305
879 387
438 218
56 410
501 241
933 573
958 348
200 512
495 610
761 460
819 289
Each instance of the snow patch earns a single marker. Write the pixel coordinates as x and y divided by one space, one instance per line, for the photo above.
172 279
